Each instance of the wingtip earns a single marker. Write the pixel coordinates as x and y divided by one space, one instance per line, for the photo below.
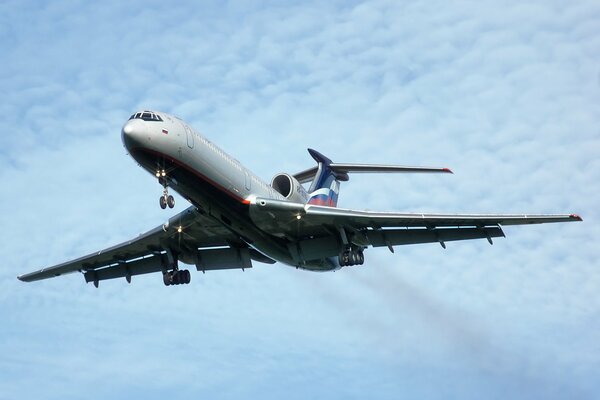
448 170
575 217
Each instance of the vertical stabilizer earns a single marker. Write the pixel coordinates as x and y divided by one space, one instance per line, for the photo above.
325 188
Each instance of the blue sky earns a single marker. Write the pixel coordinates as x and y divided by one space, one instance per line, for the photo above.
506 94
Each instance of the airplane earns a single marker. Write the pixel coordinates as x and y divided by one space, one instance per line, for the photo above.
236 218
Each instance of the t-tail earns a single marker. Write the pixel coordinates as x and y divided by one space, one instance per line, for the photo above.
325 188
327 175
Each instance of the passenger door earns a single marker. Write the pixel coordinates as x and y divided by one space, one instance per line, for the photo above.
248 181
190 136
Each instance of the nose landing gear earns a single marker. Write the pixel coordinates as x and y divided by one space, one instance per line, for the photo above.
166 199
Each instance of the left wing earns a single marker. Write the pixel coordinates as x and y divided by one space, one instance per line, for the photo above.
185 234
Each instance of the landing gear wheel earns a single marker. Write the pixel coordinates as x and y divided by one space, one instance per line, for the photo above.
177 278
351 256
345 259
167 278
166 199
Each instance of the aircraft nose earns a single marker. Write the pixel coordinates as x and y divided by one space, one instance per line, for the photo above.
132 133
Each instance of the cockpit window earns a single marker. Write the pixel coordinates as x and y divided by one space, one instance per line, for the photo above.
146 116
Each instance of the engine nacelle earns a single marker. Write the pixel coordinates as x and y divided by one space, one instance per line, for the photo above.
290 188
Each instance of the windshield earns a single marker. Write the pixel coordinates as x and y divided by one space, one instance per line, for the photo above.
146 116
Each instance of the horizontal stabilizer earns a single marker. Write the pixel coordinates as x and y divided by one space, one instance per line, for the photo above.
384 168
342 170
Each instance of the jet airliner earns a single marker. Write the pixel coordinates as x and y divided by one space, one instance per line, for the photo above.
236 218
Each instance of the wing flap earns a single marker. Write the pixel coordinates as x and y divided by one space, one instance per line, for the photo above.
142 266
189 230
206 260
396 237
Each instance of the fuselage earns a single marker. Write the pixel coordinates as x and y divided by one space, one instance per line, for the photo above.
213 181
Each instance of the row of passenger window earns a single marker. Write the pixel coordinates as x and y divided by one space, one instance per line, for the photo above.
220 152
231 161
259 182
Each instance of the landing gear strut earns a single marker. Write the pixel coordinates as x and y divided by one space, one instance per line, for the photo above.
166 199
177 277
351 256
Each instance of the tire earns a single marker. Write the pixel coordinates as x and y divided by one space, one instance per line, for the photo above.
341 259
167 279
347 258
188 277
171 201
163 202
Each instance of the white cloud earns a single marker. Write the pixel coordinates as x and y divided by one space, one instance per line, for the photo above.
503 94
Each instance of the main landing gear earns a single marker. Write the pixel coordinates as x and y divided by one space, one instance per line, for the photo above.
177 277
351 256
166 199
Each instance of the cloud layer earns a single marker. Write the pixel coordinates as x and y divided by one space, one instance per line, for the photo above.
504 94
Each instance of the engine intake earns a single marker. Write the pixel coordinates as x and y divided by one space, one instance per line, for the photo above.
289 187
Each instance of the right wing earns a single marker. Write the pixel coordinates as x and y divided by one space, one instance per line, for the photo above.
306 223
189 232
364 219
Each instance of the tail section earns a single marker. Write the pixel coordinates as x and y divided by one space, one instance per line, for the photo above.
325 188
327 175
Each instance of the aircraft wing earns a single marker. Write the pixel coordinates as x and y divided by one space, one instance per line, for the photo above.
365 219
185 232
301 221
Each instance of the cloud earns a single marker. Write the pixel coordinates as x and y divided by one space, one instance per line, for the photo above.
503 94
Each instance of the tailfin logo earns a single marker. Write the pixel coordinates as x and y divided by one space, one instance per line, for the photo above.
327 196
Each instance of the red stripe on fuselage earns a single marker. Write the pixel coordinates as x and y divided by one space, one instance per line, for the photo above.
193 171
